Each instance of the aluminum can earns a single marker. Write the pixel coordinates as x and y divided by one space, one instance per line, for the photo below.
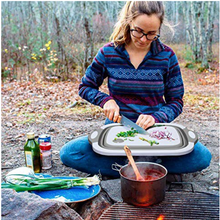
45 155
44 138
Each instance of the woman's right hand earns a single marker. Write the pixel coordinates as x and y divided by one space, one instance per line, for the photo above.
111 110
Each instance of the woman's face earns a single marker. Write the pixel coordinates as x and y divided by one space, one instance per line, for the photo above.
147 24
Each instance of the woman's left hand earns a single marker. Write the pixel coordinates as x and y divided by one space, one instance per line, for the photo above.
145 121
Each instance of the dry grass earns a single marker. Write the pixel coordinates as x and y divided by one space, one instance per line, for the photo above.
34 101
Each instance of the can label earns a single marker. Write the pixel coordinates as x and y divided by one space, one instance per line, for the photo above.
46 160
44 138
28 157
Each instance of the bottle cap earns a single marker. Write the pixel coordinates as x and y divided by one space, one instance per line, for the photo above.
45 146
30 135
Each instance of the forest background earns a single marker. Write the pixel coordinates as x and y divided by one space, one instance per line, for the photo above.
60 39
46 47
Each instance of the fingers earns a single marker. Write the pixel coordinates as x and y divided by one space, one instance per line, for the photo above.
111 110
111 115
119 119
145 121
116 116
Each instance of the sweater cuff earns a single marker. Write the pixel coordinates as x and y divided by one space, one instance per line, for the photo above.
105 100
156 119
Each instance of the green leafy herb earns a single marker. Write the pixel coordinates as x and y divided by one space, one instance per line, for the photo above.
130 133
149 141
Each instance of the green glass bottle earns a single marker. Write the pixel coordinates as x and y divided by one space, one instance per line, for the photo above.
32 153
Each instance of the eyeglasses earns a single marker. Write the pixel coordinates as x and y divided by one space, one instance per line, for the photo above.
140 34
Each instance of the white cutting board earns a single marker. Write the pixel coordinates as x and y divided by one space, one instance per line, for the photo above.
135 141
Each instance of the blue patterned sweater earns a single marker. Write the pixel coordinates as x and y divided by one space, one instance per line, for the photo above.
154 88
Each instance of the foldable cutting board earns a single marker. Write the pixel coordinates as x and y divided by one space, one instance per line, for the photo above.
106 142
112 141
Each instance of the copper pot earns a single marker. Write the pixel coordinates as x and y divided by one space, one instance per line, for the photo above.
143 193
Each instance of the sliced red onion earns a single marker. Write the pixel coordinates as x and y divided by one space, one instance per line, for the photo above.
161 135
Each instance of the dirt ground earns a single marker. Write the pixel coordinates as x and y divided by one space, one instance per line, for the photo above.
63 129
45 109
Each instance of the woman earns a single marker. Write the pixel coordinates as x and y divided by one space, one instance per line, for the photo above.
145 85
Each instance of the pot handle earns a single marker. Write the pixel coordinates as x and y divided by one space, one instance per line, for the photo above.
116 167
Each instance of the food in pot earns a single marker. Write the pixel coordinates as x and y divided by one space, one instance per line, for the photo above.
147 174
147 192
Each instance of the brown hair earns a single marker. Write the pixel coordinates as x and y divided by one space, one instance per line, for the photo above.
130 11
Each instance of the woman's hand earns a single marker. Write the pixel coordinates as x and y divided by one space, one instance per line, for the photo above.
145 121
111 110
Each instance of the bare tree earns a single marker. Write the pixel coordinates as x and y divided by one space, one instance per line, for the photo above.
78 28
88 37
201 16
210 25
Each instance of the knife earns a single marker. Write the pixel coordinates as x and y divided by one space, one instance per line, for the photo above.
130 124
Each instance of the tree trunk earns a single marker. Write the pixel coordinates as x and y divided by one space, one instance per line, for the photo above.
42 37
88 41
210 27
177 11
187 12
194 31
58 30
41 21
203 39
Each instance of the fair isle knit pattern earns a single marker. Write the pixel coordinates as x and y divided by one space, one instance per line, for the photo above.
154 88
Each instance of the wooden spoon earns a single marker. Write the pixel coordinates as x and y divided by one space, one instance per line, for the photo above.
131 160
